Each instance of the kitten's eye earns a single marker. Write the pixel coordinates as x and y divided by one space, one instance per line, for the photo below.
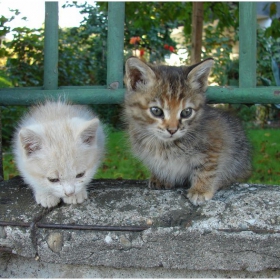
53 180
80 175
157 112
186 113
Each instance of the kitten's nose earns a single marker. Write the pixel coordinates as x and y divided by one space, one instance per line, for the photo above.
69 193
172 130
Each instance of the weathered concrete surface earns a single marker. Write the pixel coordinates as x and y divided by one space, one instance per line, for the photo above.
20 267
239 230
17 205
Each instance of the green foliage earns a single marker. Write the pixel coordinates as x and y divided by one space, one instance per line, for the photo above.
148 25
225 69
153 24
79 61
4 80
9 114
219 46
226 12
82 54
220 34
4 30
268 48
82 50
274 29
245 113
25 62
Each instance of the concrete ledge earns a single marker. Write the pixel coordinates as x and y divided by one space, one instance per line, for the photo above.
20 267
239 230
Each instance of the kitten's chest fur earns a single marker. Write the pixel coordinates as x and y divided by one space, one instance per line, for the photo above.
169 163
176 160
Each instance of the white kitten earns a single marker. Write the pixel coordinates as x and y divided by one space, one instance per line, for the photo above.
57 149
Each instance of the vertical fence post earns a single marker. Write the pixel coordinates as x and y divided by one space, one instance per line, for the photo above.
51 46
115 42
1 150
247 44
197 29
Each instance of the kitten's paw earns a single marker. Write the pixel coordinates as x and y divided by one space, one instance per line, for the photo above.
77 198
47 201
199 197
155 184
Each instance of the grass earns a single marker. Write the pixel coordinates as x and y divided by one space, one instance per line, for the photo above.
266 155
4 81
119 163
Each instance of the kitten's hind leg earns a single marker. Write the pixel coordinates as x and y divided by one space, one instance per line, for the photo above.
156 184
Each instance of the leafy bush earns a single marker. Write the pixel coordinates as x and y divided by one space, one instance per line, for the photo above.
267 49
10 117
148 27
25 59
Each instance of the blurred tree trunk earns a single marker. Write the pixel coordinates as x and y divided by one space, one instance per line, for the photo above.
197 24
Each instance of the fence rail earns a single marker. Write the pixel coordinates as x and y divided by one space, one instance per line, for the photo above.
247 92
103 95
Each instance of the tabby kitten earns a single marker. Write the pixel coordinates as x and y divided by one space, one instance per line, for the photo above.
181 139
57 149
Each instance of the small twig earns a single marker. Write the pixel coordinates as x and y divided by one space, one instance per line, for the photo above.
77 227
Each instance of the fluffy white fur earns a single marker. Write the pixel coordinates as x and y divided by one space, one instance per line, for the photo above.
57 149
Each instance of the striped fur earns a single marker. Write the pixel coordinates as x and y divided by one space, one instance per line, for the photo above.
181 139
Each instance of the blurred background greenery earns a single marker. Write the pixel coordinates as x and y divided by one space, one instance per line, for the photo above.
157 32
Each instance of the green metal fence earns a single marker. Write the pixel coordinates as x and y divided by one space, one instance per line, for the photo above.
247 92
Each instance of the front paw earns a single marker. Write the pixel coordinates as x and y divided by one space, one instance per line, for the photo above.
156 184
47 200
76 198
199 197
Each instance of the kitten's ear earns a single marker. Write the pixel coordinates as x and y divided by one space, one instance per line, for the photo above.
138 75
88 131
30 140
198 76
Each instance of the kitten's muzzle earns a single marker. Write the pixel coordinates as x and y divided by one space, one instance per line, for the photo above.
69 193
172 131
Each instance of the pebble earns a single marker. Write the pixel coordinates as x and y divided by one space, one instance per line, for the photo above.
108 239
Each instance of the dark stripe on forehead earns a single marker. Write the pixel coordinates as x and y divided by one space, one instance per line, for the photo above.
172 81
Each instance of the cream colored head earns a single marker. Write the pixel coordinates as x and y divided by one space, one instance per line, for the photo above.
61 157
58 148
